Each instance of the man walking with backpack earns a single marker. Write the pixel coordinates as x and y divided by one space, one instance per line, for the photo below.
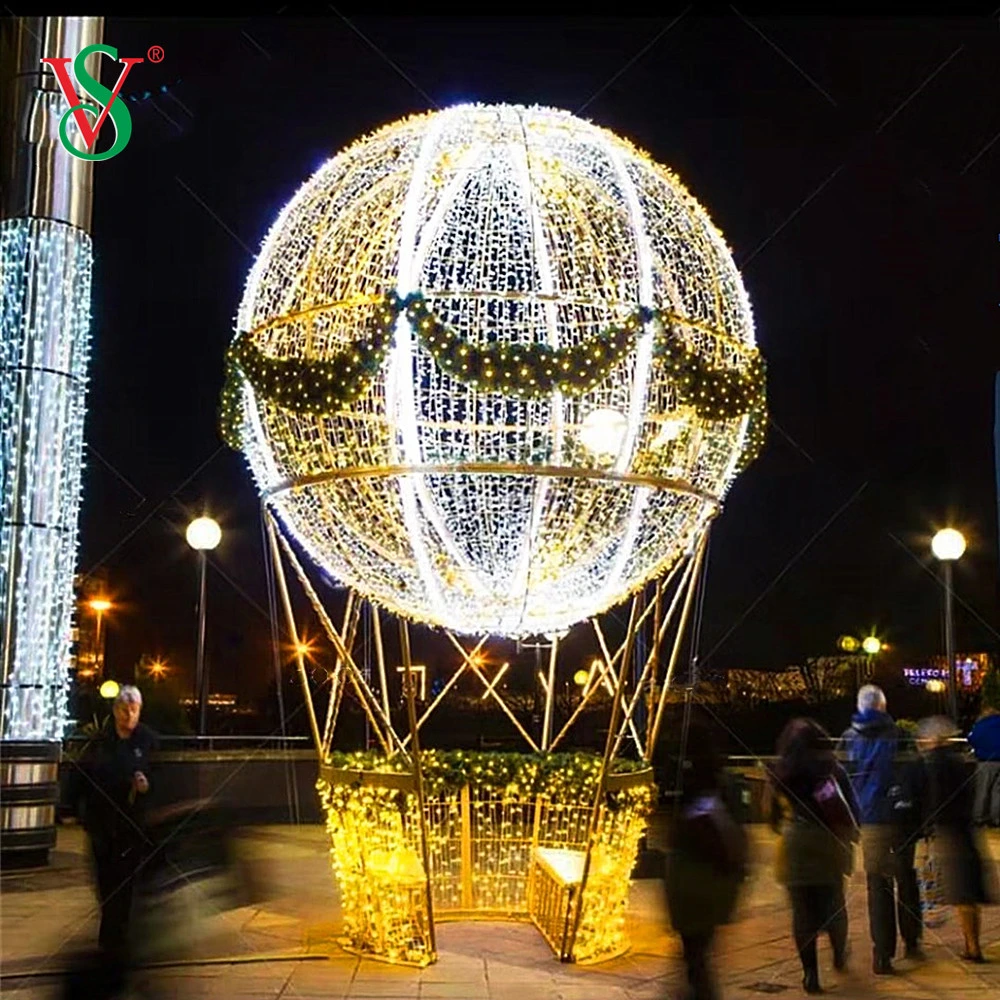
886 781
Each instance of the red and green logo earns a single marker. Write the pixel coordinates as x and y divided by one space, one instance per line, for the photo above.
104 103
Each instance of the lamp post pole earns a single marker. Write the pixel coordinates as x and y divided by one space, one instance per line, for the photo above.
201 679
947 546
203 534
949 640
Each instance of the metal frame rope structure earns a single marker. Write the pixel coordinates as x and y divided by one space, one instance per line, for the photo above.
406 857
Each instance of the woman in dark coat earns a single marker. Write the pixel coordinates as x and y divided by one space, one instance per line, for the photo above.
814 809
963 878
706 860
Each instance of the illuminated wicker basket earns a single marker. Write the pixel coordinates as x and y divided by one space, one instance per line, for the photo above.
494 854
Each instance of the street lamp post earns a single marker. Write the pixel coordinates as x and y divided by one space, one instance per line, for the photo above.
99 605
947 546
203 535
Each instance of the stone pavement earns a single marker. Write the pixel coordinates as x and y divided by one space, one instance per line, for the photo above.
283 947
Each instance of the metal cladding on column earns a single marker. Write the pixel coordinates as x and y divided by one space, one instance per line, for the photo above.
46 257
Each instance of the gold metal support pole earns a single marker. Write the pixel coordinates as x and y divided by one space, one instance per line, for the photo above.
591 688
496 697
466 808
602 780
380 656
692 586
653 658
336 688
621 668
418 773
451 683
287 603
368 700
550 695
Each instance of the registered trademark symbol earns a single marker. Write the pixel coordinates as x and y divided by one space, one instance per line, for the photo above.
155 53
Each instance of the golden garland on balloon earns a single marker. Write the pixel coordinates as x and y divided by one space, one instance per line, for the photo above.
526 371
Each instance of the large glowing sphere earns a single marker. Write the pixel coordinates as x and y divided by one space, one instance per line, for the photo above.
453 477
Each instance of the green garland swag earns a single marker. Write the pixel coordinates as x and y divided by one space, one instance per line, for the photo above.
564 777
303 386
530 371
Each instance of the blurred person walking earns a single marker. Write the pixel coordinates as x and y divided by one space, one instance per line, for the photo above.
949 800
114 783
812 806
886 781
706 860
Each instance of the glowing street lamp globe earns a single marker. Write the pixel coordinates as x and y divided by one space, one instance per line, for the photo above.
203 534
494 369
948 544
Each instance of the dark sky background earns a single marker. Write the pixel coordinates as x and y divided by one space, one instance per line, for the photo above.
852 165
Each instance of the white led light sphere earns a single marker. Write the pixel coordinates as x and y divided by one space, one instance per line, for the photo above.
433 493
602 431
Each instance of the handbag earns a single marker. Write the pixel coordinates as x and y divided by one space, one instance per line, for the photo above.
833 808
933 908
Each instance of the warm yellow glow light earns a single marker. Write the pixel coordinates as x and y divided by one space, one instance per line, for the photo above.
203 534
157 668
871 645
488 848
581 677
935 686
99 604
109 690
948 544
848 643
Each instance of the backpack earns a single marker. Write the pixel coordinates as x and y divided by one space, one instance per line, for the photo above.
906 792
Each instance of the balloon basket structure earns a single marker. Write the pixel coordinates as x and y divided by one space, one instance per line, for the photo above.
548 837
494 855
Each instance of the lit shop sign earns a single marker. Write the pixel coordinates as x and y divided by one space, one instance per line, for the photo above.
919 676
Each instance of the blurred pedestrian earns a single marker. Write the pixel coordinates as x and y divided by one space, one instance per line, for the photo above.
812 805
115 771
963 877
706 859
985 742
885 778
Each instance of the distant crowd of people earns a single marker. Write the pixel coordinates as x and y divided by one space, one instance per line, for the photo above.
891 792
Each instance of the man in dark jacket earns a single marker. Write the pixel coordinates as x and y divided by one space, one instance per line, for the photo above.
114 785
886 784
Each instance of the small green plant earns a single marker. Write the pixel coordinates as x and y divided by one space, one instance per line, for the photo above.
990 691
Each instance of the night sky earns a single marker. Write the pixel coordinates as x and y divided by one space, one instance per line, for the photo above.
851 165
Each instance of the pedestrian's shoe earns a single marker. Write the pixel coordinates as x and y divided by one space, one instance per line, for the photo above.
915 952
882 965
973 956
810 981
840 960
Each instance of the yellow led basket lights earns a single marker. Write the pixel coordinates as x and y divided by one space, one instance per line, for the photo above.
494 371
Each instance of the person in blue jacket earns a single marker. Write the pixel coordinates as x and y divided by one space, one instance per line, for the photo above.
985 742
886 781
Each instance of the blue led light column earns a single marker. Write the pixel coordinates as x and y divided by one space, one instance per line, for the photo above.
45 271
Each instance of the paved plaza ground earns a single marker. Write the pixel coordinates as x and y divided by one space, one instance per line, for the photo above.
284 946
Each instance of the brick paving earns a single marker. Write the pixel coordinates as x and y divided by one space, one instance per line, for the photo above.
283 947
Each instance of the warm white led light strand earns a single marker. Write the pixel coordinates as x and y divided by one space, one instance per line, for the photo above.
519 226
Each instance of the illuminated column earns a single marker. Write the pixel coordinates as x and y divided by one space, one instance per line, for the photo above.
45 257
